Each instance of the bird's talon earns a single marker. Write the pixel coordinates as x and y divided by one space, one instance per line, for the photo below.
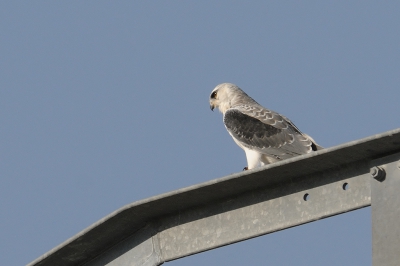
246 168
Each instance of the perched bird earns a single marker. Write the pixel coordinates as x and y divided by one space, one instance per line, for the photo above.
264 135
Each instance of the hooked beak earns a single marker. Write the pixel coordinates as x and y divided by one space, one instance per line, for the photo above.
212 107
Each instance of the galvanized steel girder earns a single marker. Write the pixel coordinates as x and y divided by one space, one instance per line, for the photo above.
232 208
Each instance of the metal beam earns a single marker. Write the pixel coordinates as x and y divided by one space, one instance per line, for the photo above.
232 208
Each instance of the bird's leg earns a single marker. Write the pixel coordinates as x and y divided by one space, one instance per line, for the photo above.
253 158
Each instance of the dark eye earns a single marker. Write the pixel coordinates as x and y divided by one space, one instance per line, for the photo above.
214 95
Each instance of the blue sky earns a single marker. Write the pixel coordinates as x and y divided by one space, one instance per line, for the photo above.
106 103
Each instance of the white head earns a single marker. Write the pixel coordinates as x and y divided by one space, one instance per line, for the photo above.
227 95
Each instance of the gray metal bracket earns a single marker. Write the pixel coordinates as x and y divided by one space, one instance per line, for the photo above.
385 206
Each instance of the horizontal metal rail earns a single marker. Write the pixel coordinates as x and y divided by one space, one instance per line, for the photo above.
237 207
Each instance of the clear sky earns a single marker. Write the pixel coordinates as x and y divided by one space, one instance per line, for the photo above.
104 103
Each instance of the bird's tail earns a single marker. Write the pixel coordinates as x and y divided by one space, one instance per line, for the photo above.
315 146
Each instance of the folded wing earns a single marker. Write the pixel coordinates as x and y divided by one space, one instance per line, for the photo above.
266 131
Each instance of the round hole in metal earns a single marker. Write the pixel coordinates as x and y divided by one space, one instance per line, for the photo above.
306 197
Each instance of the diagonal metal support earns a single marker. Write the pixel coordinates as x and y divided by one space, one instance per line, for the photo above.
249 204
248 215
265 211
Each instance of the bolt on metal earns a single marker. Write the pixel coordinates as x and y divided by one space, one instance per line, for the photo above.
378 173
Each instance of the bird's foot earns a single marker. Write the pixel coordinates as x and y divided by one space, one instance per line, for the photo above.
246 168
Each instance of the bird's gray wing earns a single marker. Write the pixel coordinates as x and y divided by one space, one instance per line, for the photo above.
266 131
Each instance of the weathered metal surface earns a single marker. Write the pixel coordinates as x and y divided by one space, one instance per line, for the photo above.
385 212
249 215
265 211
141 249
251 191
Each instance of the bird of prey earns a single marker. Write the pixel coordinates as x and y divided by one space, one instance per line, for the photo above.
264 135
